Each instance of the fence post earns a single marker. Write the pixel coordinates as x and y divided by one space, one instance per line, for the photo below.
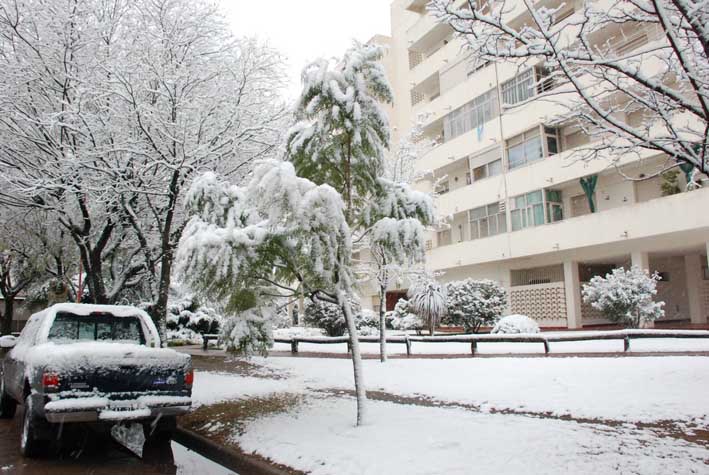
294 346
546 347
349 347
626 343
205 342
408 345
473 347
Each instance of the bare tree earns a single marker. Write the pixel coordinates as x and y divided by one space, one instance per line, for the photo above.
634 75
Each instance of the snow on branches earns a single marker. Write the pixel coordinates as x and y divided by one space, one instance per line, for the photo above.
246 246
632 75
625 296
342 131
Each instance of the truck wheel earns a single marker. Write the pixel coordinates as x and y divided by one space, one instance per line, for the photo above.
8 406
29 442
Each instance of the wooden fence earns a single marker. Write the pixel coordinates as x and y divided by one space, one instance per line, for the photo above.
473 340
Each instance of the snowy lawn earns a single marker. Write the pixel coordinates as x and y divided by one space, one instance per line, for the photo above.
621 415
320 438
631 389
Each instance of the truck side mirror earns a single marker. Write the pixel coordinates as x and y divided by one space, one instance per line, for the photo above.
7 341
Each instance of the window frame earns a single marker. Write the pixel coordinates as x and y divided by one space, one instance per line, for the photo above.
500 218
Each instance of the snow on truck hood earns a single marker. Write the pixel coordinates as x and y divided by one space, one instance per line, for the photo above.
65 356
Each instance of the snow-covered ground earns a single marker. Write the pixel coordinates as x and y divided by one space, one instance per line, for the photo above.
412 436
412 440
598 346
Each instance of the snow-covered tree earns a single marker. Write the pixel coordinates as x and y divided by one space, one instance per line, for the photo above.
634 75
188 317
340 137
474 303
428 299
127 102
249 247
341 131
625 296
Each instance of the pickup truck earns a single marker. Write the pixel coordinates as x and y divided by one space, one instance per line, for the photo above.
101 364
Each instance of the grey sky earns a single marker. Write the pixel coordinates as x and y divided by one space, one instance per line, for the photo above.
308 29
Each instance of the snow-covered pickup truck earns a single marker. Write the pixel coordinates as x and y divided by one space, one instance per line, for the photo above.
92 364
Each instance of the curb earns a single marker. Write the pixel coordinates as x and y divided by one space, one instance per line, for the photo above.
235 460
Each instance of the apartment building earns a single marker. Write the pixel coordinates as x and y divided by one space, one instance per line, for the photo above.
521 209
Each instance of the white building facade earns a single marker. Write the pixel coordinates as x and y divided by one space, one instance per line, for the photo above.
521 209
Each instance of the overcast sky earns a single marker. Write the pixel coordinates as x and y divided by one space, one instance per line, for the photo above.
308 29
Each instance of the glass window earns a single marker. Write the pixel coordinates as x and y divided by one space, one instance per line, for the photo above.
519 88
487 221
528 210
470 116
527 147
494 168
68 328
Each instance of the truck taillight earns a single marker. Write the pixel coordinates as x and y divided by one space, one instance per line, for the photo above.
189 378
50 381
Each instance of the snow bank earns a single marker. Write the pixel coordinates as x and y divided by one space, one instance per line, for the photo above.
516 324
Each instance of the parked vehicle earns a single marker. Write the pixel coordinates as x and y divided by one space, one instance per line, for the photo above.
77 363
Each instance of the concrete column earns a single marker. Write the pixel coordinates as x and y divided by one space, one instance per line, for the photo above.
640 259
572 288
693 271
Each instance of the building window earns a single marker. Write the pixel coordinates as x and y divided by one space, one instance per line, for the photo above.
536 208
487 170
473 114
444 237
519 88
529 146
487 220
527 84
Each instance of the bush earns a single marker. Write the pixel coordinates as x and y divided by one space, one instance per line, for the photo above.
187 319
516 324
625 297
329 316
403 319
474 303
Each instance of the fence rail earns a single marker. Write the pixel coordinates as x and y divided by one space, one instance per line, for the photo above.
473 340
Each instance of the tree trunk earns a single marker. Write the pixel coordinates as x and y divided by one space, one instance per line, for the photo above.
382 325
356 358
8 314
431 324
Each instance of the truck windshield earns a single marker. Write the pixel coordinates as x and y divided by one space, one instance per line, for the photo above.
68 328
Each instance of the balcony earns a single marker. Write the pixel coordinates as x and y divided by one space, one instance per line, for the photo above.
620 229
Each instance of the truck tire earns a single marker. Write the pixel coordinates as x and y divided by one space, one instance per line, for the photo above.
8 406
30 442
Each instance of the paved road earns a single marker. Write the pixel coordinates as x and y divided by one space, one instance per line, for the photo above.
86 451
82 452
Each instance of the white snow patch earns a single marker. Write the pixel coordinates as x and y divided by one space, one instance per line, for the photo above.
631 389
321 440
212 388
